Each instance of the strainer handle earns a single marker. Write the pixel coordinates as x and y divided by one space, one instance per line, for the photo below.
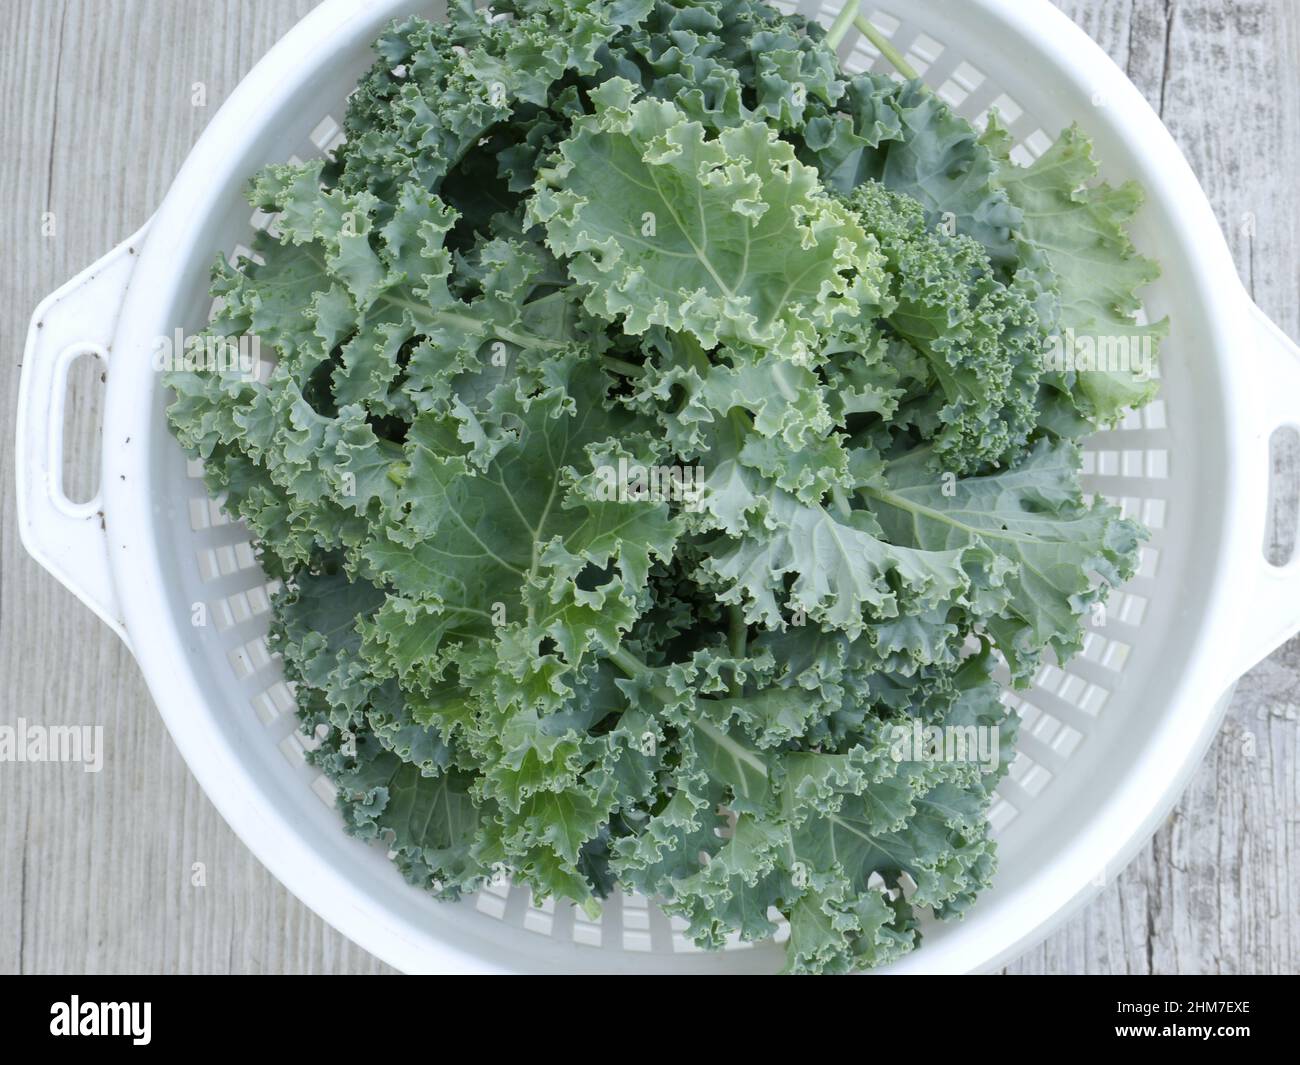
1272 614
69 539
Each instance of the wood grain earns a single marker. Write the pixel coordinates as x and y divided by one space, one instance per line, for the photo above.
1214 891
97 870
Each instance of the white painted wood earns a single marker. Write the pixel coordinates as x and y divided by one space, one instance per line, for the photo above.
97 870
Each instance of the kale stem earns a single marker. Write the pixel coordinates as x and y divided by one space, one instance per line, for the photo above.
841 24
634 668
622 366
469 322
527 340
737 630
737 638
842 505
886 49
628 662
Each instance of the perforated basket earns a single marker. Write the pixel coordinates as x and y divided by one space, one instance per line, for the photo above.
1107 742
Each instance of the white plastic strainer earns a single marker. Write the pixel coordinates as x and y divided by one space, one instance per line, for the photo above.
1108 741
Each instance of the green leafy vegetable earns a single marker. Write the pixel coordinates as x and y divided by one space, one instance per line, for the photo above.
660 449
729 239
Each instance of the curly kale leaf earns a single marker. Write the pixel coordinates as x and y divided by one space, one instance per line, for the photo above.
1035 519
983 340
830 839
727 238
1080 227
907 139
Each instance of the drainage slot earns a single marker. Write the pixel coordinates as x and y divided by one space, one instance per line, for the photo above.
82 424
1284 499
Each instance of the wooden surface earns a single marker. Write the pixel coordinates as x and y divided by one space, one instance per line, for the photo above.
97 870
